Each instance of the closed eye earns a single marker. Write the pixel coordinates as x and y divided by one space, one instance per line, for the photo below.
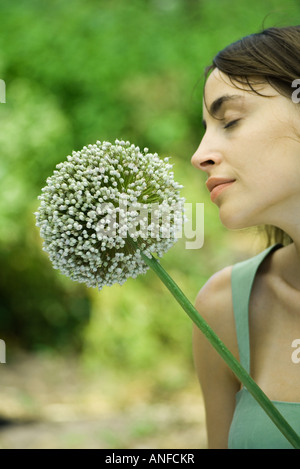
231 124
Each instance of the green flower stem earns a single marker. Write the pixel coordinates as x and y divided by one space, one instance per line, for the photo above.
223 351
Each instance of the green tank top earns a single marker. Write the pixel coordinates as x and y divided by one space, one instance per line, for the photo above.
251 427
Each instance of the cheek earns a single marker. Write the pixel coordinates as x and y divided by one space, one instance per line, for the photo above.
258 152
247 157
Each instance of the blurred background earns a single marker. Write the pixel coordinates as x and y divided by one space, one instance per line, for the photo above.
108 369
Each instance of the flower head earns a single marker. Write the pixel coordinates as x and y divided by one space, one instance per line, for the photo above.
97 201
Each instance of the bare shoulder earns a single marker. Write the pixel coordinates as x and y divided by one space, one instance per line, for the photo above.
214 304
216 290
214 300
219 384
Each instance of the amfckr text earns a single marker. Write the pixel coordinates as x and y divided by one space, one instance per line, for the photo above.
153 458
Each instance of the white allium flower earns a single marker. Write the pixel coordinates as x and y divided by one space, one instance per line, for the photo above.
97 200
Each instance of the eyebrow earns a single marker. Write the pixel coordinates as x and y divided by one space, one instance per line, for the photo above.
217 104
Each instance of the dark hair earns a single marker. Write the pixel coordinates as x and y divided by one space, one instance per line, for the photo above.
272 56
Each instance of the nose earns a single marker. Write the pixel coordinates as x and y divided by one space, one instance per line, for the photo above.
206 156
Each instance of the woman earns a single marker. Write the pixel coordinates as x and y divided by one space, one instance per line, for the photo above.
250 153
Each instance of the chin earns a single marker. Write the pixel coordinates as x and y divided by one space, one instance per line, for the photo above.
235 220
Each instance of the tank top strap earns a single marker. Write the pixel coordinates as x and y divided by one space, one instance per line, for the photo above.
242 278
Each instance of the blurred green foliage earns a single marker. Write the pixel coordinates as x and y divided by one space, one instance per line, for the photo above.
88 70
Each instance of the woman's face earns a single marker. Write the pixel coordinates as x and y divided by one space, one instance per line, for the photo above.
251 153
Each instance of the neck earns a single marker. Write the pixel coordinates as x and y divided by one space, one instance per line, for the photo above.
289 222
290 266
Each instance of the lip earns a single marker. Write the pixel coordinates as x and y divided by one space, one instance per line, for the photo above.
216 185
